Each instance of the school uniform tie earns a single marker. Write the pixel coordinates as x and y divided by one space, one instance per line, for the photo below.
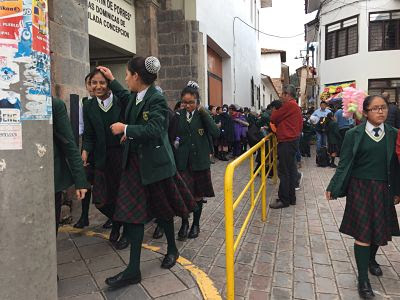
376 131
190 117
102 103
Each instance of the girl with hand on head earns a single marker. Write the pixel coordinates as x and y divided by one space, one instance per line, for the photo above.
150 185
368 175
98 114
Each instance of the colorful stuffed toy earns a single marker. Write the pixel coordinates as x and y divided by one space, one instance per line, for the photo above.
353 102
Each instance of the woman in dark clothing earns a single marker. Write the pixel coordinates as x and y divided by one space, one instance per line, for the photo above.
98 114
150 186
226 137
368 175
334 138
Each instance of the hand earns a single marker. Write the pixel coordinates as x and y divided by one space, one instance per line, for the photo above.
328 195
106 72
123 139
85 156
396 200
80 193
117 128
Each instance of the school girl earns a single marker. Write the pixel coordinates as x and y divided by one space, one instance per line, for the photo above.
192 155
334 138
150 186
98 115
368 175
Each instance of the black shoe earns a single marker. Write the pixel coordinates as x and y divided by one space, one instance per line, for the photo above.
114 235
278 204
292 202
375 269
365 290
82 222
158 232
119 280
194 232
169 260
183 232
108 224
122 243
332 165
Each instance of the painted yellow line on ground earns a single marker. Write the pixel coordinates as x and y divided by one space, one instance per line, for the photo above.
204 282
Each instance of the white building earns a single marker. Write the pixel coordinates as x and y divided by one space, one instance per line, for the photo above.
359 43
268 92
230 50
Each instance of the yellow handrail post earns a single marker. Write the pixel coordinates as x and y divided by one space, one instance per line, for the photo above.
275 160
229 234
251 176
264 189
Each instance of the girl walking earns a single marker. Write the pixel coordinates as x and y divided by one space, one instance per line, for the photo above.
334 138
368 175
150 186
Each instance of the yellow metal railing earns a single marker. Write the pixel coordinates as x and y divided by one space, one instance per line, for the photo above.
269 157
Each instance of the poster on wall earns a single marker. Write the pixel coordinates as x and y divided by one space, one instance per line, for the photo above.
24 59
10 127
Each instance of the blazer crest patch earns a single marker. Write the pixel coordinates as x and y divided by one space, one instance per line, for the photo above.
201 131
146 115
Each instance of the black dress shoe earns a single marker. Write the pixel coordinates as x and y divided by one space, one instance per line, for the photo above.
365 290
194 232
82 222
183 232
114 236
158 232
120 280
122 243
108 224
169 260
278 204
375 269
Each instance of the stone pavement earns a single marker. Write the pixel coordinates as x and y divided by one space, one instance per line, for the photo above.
297 254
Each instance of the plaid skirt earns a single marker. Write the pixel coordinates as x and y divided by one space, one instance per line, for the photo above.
333 148
370 215
137 203
106 182
199 182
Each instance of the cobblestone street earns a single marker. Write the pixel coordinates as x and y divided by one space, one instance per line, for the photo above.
297 254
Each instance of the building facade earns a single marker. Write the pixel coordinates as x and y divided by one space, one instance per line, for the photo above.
358 45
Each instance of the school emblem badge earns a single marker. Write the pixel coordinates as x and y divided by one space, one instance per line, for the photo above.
146 115
201 131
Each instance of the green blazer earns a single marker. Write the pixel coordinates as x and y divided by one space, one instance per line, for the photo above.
94 135
264 120
194 144
68 166
333 134
339 183
147 131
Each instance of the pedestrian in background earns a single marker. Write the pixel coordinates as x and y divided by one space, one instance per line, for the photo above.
334 139
226 137
344 124
321 114
393 118
289 124
368 176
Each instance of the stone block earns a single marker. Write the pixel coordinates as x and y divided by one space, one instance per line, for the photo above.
67 256
104 262
59 39
130 292
260 283
162 285
152 268
177 15
95 250
194 25
173 72
278 293
72 14
325 285
166 38
72 269
304 290
79 46
181 37
76 286
68 71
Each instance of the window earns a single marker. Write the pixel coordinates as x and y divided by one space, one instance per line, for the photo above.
252 91
341 38
384 31
389 85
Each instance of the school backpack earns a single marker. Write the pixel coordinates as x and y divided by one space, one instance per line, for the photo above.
322 158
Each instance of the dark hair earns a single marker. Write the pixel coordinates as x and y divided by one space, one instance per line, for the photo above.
136 65
276 104
368 100
192 91
218 108
87 77
210 107
97 71
177 105
330 115
324 102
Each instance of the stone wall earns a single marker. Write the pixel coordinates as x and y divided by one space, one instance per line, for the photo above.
178 50
69 47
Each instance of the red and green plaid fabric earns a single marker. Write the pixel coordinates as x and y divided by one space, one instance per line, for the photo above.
199 182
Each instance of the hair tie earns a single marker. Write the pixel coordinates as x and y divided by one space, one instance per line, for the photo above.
152 64
193 84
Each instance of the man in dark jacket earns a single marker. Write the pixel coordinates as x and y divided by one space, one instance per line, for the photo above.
393 118
289 124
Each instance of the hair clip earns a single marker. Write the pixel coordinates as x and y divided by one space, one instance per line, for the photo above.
193 84
152 64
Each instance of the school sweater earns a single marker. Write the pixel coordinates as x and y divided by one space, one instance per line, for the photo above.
371 161
108 119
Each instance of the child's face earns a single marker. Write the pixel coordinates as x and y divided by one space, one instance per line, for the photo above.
377 111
